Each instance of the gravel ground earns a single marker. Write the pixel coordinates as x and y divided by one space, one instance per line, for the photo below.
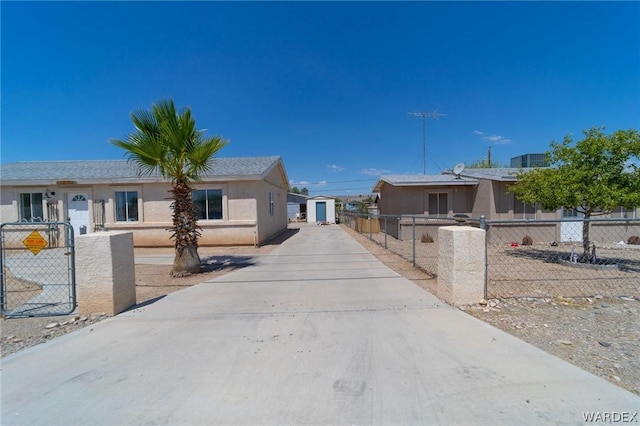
600 334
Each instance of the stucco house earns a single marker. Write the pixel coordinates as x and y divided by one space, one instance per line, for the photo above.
472 192
242 202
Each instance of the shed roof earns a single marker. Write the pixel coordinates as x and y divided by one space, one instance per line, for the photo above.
121 171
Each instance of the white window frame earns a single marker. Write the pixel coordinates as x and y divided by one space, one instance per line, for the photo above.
32 215
206 210
127 206
569 213
271 204
437 212
622 213
528 212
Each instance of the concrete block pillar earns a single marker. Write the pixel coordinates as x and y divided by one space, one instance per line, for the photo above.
105 272
461 263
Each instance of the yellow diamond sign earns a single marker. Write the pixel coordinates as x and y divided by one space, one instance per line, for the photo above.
35 242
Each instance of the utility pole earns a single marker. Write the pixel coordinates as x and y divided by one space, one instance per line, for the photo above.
424 115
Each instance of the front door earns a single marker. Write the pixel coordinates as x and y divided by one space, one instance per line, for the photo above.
321 212
78 212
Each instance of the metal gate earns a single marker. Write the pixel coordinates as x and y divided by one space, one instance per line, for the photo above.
37 269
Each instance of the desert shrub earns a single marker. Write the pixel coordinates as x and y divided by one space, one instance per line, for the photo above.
426 238
527 240
634 239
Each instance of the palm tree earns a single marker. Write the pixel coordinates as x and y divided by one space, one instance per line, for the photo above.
167 142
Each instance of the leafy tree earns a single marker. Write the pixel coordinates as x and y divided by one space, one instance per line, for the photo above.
338 204
167 142
594 176
295 190
304 191
483 163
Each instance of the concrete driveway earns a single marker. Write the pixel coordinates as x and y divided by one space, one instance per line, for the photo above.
317 332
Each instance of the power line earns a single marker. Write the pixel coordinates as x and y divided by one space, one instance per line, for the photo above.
424 115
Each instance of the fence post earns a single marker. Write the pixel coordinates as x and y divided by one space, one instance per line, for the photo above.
483 225
413 230
385 232
370 220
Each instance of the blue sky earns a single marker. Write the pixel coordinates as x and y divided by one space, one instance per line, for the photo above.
325 85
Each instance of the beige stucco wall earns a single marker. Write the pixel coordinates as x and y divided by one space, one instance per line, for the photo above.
246 219
398 200
269 226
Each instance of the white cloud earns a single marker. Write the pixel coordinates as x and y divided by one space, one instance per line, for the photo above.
321 183
495 139
374 172
335 168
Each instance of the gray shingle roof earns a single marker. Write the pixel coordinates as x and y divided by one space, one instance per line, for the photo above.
121 170
423 180
500 174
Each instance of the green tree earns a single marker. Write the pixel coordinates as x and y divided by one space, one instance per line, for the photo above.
167 142
295 190
483 163
592 176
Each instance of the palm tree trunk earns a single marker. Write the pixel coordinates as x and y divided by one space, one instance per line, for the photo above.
184 231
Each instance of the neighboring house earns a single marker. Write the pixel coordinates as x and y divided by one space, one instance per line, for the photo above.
321 209
296 207
242 202
357 203
473 192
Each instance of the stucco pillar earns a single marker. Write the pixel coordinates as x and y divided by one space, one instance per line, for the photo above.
105 272
461 262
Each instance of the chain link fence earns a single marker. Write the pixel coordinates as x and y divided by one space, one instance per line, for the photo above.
549 258
525 258
37 274
412 237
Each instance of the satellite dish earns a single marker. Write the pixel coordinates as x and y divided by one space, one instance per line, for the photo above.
459 168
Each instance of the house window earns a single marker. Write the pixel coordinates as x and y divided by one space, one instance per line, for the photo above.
569 212
126 206
438 204
208 204
523 211
30 207
271 204
622 213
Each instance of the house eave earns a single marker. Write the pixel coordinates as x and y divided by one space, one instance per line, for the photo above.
120 181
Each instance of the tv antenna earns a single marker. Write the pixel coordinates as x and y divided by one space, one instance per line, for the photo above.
424 115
